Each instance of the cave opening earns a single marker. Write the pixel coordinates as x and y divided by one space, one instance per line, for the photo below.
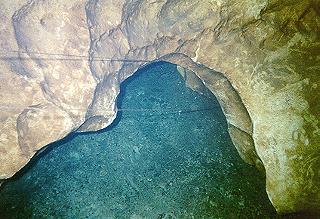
168 154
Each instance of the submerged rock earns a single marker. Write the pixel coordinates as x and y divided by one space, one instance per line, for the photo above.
260 58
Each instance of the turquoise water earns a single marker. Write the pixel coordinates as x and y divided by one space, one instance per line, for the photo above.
176 161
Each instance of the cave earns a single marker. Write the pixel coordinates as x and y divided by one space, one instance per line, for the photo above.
168 154
62 64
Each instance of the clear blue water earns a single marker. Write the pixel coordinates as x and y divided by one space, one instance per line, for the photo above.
176 161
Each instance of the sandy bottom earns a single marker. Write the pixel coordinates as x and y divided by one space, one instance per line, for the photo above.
175 161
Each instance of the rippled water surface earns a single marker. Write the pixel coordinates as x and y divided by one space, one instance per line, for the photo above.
175 161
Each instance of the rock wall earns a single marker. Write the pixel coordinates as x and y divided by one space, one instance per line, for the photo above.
259 57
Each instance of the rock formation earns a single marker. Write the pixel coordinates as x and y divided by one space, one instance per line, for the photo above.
62 63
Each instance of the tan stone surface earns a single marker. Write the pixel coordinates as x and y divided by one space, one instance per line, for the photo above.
260 58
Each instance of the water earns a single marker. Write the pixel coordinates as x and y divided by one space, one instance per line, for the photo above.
177 162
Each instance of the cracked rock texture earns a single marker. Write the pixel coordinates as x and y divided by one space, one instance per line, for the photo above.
259 57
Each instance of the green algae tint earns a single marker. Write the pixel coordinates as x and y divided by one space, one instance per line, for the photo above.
175 161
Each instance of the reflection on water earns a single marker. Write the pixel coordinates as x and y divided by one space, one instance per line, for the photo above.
176 161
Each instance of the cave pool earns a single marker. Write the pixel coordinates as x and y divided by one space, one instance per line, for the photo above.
168 154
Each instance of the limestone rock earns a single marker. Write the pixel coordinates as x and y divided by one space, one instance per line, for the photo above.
61 69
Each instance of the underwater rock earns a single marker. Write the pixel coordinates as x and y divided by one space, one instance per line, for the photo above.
260 58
